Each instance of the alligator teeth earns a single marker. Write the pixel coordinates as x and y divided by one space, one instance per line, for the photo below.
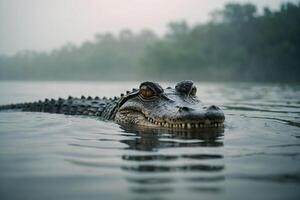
173 124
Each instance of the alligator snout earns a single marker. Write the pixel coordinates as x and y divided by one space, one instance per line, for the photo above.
212 113
189 109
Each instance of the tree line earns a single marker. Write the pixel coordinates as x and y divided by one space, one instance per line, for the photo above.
237 44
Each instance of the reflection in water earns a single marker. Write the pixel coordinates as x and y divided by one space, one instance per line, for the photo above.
205 189
195 167
169 157
206 179
152 190
280 178
156 172
151 180
154 139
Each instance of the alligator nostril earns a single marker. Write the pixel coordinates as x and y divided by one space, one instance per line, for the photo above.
213 107
184 108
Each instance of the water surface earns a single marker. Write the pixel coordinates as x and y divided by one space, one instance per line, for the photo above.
51 156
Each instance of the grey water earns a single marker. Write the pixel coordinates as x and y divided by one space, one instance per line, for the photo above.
50 156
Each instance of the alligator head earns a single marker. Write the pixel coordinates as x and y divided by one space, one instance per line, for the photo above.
176 108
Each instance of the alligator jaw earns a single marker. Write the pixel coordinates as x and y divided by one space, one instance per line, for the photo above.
187 124
138 118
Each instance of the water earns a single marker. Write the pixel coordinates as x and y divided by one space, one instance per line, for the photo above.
50 156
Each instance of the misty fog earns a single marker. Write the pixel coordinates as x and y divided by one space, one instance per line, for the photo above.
101 40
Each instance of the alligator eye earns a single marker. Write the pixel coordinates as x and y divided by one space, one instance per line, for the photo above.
146 92
193 91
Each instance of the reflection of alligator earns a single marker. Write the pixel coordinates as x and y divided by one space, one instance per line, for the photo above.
152 171
153 139
149 106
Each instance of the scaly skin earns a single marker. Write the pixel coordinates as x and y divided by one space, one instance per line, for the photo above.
149 106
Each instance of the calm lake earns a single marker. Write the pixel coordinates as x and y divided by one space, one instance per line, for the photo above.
50 156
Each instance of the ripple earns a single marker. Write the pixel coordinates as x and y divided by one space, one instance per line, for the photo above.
91 164
162 168
152 144
245 108
93 147
206 179
289 122
152 190
202 156
284 145
206 189
151 180
281 178
149 157
159 157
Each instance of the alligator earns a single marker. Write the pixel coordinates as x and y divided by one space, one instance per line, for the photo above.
149 106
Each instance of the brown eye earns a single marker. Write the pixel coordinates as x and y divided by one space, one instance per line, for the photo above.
193 91
146 92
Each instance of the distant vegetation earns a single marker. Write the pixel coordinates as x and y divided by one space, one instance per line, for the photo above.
106 58
236 44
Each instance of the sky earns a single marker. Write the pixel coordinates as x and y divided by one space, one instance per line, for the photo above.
42 25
